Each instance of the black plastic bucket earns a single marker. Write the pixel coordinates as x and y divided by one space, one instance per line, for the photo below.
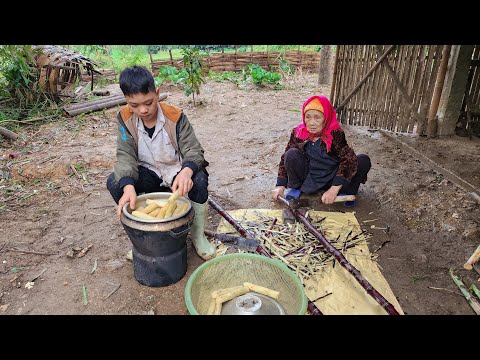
159 249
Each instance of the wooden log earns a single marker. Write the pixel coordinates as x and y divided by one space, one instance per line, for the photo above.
7 134
99 105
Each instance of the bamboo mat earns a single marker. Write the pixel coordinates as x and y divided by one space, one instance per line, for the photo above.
345 295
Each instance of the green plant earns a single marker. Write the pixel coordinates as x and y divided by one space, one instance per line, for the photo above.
193 65
19 74
259 75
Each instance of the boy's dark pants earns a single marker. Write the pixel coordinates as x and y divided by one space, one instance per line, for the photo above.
149 182
296 164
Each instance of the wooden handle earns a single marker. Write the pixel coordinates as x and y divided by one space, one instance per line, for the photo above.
342 198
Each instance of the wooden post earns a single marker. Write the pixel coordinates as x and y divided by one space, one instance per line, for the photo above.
171 57
268 58
432 121
151 59
334 80
325 68
235 63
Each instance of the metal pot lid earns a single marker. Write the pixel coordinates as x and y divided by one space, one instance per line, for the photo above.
252 303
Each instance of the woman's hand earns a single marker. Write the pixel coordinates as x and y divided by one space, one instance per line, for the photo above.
130 196
328 197
183 182
279 190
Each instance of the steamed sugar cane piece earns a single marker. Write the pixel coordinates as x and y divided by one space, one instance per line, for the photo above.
170 209
211 308
155 212
225 290
173 197
161 213
232 294
140 208
180 209
142 215
151 207
473 259
261 290
159 203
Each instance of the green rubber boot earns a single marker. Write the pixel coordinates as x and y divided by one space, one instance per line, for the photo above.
202 246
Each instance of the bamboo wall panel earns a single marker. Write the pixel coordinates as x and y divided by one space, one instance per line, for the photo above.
380 103
219 62
473 90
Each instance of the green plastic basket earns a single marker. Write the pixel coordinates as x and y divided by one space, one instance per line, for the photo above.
235 269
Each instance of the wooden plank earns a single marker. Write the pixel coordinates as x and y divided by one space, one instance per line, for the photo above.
380 99
407 109
389 91
433 75
340 74
423 94
343 72
372 88
416 83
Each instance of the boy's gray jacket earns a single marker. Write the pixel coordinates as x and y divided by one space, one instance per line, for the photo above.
179 131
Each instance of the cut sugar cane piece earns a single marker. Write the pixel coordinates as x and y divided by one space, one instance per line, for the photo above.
142 215
261 290
211 308
161 213
170 209
173 197
226 290
230 295
473 302
180 209
159 203
140 208
473 259
155 212
151 207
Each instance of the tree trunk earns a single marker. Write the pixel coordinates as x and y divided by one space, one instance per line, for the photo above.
325 69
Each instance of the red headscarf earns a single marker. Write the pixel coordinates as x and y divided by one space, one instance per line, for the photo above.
331 122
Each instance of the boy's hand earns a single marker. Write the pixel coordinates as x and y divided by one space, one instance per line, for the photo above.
183 182
279 190
129 195
328 197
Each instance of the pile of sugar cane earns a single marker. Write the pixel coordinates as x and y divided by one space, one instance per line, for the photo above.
223 295
299 249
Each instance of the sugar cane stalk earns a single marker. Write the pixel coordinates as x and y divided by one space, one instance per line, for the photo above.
342 260
311 306
471 300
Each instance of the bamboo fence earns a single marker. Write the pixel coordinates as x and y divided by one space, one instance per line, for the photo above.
219 62
472 95
382 101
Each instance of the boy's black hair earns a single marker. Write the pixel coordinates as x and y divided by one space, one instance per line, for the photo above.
136 79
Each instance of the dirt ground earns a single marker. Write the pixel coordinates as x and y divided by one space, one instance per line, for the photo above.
47 208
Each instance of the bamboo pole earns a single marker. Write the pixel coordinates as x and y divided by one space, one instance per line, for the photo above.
442 71
311 306
389 308
374 67
334 77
